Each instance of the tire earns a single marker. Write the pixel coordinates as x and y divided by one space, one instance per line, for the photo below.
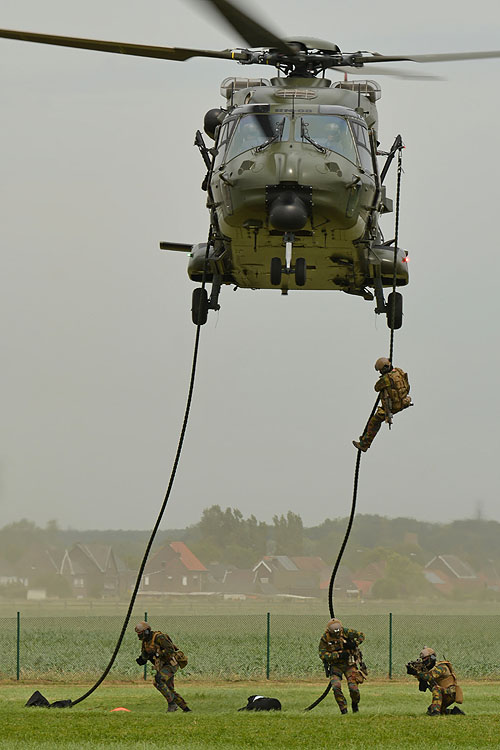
199 306
275 271
395 308
300 271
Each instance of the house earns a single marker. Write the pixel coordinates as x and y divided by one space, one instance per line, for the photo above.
93 570
173 568
365 578
36 564
448 572
344 585
8 573
298 576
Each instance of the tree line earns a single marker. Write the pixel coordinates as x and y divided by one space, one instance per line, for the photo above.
226 536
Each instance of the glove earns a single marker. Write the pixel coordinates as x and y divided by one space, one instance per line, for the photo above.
141 661
410 669
422 685
350 645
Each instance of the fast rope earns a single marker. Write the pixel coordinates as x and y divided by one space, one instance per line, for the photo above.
358 457
69 703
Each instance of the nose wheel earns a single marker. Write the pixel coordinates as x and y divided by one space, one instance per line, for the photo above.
299 269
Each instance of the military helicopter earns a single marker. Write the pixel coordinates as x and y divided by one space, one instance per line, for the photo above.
294 188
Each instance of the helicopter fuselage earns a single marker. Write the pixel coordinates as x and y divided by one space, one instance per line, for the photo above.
295 162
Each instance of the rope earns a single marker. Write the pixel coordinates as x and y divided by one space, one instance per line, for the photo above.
157 524
358 457
396 237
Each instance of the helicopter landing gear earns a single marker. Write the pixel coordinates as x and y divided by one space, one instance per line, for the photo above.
300 271
277 269
394 310
199 306
201 303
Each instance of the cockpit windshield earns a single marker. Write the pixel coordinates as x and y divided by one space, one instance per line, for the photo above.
257 131
327 131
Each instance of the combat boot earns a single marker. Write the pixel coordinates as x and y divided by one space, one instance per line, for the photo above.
172 707
355 707
186 709
359 447
343 710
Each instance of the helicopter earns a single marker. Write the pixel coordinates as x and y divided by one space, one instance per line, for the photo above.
294 188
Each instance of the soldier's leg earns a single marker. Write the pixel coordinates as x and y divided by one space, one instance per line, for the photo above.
177 699
161 682
372 428
353 685
335 681
448 699
436 703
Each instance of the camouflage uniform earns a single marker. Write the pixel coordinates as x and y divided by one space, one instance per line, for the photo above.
339 660
394 386
443 683
160 651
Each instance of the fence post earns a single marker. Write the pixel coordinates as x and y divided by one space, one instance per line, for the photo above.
390 645
145 666
18 648
268 644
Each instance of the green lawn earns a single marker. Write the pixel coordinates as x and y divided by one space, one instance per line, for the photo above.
392 715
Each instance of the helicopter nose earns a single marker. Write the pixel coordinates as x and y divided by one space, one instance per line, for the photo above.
288 212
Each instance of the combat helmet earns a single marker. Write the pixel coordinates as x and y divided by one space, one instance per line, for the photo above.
382 364
428 655
334 626
142 629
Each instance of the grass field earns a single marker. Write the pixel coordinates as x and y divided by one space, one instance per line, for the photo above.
391 716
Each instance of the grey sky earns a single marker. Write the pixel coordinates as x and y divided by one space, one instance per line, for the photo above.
98 166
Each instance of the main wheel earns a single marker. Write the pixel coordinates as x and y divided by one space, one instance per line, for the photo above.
394 310
275 271
199 306
300 271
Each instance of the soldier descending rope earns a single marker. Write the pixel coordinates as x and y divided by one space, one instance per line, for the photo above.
394 388
166 658
338 649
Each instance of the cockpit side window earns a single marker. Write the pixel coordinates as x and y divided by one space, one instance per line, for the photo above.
253 131
363 144
223 138
328 131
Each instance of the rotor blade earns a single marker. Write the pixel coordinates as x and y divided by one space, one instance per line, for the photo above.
249 28
387 71
123 48
439 57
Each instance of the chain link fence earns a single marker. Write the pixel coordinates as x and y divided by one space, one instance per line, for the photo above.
254 646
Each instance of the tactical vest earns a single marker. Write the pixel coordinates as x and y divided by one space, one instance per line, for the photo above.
397 386
446 680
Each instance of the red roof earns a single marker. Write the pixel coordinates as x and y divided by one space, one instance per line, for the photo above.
309 563
188 559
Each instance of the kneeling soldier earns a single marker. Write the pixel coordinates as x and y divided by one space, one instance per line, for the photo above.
338 649
159 649
439 678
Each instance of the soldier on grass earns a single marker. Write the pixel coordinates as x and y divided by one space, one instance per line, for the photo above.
339 651
166 658
440 679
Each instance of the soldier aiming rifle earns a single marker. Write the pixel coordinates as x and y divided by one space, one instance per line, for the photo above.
440 679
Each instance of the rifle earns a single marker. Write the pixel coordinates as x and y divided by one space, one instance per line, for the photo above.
413 668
